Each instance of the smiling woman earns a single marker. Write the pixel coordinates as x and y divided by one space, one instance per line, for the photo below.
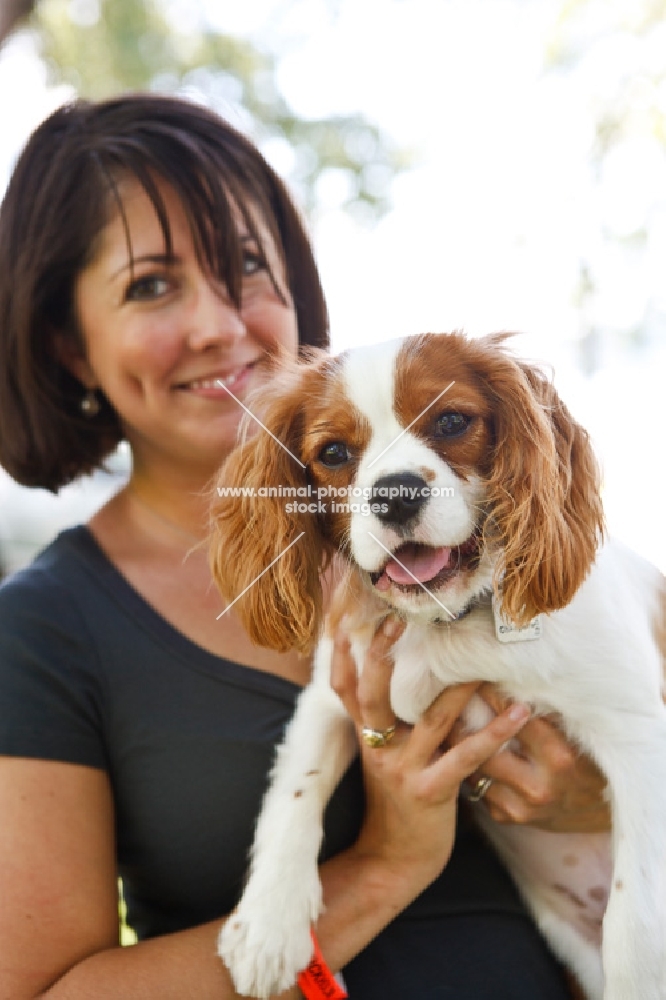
82 213
151 267
161 332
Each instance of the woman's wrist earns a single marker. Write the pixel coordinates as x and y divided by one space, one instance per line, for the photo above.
399 874
363 893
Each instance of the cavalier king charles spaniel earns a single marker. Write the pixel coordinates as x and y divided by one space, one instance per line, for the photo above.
460 493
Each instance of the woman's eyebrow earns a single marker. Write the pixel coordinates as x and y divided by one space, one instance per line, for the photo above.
148 258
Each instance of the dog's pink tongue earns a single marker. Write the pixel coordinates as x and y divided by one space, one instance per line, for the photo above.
414 563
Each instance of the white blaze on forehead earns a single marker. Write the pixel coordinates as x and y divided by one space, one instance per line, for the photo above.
369 378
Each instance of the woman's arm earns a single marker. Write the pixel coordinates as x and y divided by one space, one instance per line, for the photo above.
59 919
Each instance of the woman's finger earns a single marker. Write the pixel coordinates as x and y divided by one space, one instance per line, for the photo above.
549 785
343 674
504 805
492 696
472 753
366 698
546 745
437 722
374 685
540 742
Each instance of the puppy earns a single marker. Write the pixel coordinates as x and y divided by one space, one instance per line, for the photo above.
474 513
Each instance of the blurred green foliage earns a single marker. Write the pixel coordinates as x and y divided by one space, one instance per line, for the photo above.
102 47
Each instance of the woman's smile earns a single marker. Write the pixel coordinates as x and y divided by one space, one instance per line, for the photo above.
220 384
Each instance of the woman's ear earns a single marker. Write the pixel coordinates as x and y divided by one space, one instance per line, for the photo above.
72 357
543 492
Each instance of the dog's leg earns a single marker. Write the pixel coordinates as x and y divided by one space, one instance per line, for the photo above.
266 940
566 913
634 928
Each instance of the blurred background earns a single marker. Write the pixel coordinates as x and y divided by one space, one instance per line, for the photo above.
463 164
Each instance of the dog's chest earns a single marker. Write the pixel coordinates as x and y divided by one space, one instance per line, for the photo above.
584 675
429 658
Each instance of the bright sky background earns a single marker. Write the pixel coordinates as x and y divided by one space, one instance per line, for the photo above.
489 229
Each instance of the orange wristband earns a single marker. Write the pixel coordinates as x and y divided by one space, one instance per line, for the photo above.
317 982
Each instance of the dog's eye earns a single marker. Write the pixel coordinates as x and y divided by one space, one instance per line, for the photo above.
334 453
451 424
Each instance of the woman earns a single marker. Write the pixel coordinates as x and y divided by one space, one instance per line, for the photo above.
146 252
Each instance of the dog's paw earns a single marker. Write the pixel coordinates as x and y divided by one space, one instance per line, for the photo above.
265 944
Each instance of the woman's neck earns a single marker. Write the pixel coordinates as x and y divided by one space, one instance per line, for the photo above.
176 497
185 526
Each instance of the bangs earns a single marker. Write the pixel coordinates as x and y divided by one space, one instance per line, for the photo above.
214 197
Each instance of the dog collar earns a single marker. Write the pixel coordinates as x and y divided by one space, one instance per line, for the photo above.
474 603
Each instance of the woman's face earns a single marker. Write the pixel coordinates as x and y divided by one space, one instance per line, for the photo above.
159 333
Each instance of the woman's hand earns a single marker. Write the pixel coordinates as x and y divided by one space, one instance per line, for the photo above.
541 780
412 783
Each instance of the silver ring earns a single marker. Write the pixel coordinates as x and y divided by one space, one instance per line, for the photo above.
480 789
377 737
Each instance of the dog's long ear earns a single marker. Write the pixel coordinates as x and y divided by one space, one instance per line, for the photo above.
255 549
543 490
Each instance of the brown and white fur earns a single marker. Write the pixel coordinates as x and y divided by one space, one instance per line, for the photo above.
523 523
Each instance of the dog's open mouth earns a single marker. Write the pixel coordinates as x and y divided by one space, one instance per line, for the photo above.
414 566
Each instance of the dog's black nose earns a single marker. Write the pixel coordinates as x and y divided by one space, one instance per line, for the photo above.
400 496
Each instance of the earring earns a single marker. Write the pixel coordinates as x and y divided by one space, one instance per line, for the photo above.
89 405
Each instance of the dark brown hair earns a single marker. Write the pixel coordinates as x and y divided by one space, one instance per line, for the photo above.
61 195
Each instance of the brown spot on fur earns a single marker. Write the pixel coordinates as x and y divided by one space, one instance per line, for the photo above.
570 860
619 885
298 793
424 367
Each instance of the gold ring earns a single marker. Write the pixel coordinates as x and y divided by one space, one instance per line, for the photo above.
480 789
377 737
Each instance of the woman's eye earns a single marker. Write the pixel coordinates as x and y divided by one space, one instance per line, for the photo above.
451 424
333 454
150 287
252 263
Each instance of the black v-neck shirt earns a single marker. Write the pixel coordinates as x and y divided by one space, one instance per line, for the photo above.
91 674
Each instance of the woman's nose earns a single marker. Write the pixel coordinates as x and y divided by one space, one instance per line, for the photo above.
215 319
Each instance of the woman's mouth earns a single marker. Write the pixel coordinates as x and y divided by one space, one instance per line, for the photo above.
219 385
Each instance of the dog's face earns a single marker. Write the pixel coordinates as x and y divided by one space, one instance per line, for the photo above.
432 464
399 455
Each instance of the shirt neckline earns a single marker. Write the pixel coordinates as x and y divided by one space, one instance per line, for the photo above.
86 546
